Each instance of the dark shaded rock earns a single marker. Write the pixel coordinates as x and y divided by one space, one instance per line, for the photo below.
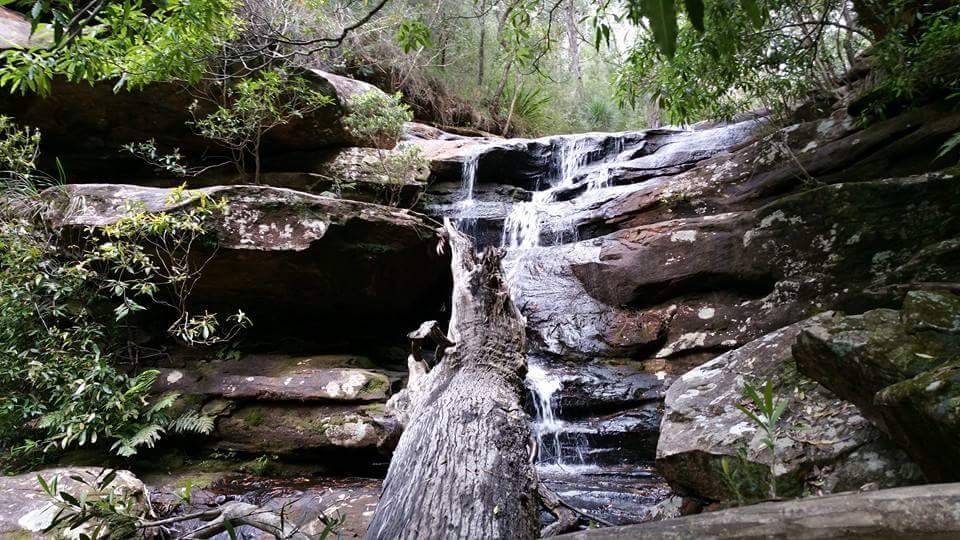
621 438
605 386
86 125
298 264
901 513
825 443
289 429
621 495
900 369
525 163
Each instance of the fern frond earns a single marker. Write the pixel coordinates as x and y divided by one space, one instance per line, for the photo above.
193 422
165 402
147 436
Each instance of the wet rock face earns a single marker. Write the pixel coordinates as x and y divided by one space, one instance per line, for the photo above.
825 445
601 387
708 284
298 264
900 368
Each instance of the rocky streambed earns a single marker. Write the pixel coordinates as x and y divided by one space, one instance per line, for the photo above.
657 273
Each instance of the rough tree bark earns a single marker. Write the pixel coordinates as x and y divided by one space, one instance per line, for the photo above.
462 467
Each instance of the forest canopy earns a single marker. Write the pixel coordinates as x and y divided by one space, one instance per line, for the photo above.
510 65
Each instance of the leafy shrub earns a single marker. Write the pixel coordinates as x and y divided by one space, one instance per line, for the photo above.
599 114
19 147
377 118
66 374
253 107
405 164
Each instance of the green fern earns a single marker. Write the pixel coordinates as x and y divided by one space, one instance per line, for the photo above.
192 422
147 436
165 402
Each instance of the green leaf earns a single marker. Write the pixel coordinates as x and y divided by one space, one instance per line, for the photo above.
756 419
107 479
70 499
948 146
778 411
230 531
663 22
695 13
751 392
753 12
768 398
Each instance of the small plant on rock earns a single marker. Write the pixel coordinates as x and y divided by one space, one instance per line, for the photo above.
765 412
377 119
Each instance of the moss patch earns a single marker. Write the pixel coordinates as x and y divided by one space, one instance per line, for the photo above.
254 417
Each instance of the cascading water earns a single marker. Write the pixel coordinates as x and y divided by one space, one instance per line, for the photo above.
523 226
558 446
468 177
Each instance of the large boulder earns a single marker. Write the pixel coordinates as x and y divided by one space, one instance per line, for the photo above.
277 378
302 429
706 284
302 265
902 369
289 405
26 510
825 444
86 125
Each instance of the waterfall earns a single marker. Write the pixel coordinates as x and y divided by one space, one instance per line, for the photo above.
576 162
547 427
468 177
522 228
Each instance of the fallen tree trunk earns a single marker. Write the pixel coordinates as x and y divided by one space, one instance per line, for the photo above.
462 468
929 511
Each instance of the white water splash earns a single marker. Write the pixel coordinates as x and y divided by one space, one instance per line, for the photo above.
466 223
546 426
523 226
468 177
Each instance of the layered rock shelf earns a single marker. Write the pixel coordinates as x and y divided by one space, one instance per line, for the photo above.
655 275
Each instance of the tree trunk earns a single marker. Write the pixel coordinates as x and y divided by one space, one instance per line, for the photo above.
928 511
573 41
513 105
481 52
462 467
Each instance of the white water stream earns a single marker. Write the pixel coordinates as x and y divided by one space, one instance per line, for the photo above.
523 226
575 160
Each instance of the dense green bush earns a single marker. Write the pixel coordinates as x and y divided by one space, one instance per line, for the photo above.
67 377
377 118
